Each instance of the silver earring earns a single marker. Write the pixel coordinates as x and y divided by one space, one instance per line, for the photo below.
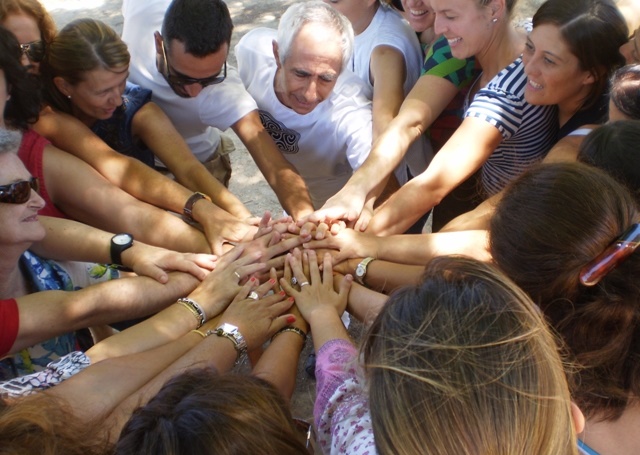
69 96
494 20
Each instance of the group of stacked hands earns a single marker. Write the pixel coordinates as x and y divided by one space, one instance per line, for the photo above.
333 107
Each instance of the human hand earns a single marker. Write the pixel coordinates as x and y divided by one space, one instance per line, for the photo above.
300 322
222 285
258 315
221 227
349 243
345 205
155 262
365 216
316 294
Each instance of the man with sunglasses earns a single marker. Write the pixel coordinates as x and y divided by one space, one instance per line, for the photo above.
179 50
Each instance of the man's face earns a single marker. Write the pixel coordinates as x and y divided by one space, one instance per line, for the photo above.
311 70
185 73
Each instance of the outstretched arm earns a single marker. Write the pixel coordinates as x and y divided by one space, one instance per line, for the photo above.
46 314
136 178
68 240
155 129
423 105
463 154
281 175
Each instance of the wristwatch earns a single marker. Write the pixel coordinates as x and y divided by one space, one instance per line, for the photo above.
120 243
361 270
187 211
232 333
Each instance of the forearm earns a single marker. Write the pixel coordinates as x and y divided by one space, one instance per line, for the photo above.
281 175
117 379
215 352
68 240
279 363
47 314
419 249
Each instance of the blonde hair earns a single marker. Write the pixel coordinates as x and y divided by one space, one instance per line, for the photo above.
464 363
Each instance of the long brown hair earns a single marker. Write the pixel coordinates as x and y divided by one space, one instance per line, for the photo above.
551 222
464 363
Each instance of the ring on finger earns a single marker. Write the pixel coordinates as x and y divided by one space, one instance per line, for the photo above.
253 295
304 283
294 281
237 274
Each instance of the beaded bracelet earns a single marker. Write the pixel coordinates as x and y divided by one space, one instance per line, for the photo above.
195 308
293 329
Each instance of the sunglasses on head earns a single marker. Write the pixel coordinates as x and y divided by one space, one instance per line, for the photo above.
33 50
178 81
18 192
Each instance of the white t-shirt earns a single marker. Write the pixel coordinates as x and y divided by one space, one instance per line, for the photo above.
388 28
324 145
218 106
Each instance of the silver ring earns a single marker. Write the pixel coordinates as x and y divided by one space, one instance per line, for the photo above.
304 283
294 281
237 274
253 295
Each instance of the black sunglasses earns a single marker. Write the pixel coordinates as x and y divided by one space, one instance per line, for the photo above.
34 50
18 192
178 81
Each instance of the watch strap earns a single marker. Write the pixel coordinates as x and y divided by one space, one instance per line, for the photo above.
234 335
187 212
361 270
116 249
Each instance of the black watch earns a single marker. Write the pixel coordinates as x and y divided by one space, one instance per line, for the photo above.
120 243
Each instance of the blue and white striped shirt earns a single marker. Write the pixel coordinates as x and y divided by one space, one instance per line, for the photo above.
528 131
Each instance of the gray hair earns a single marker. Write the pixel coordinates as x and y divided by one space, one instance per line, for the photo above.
303 13
9 140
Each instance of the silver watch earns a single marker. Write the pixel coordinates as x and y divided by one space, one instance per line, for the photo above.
361 270
232 333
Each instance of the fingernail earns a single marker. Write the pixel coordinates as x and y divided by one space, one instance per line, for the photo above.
291 319
282 293
291 299
272 281
253 279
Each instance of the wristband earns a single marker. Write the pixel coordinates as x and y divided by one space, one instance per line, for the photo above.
293 329
195 308
187 212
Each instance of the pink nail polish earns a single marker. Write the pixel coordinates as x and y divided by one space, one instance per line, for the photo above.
291 319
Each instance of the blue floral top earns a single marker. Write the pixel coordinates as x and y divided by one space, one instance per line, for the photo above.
46 275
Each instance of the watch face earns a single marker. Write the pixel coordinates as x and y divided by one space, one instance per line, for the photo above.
360 270
122 239
228 328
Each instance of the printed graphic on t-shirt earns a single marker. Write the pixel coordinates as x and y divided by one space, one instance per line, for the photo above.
285 138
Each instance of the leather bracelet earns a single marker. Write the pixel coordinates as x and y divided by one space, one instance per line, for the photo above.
187 212
195 308
293 329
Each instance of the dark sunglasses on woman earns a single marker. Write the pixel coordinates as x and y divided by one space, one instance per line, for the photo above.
34 50
18 192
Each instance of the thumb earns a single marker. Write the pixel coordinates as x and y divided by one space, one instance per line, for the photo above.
281 322
345 286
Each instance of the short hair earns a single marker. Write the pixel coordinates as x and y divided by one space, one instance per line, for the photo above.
24 106
594 30
32 8
625 90
203 26
82 45
551 222
201 412
613 147
9 141
299 14
43 424
464 348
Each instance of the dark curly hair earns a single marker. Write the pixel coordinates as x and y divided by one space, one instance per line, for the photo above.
23 108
